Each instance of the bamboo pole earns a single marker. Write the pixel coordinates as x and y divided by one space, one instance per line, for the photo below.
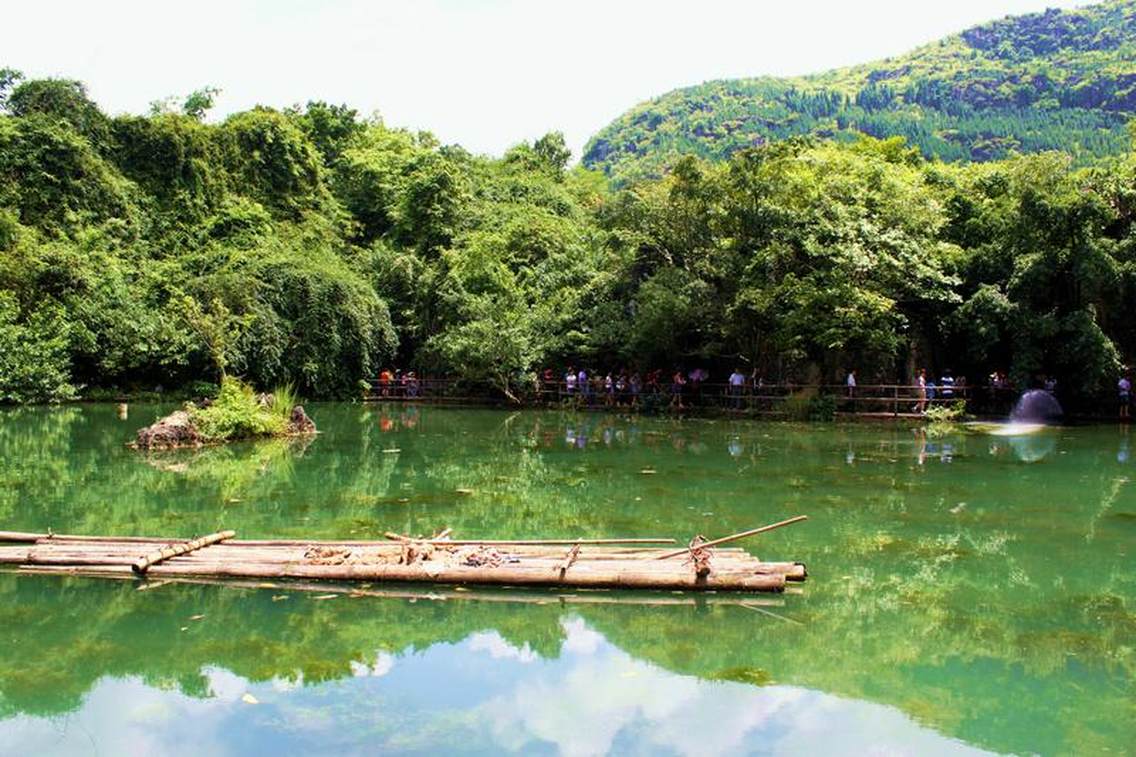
127 553
569 558
734 537
20 536
578 575
523 542
435 593
14 555
28 537
392 547
763 611
142 564
207 561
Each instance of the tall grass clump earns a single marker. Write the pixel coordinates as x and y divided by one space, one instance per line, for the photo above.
943 419
284 398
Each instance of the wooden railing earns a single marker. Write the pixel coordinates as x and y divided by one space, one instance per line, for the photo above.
865 399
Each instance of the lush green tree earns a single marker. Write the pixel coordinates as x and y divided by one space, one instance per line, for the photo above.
154 251
215 326
195 105
1041 271
9 78
430 210
33 354
371 174
550 153
59 100
56 180
177 162
272 161
332 128
302 315
846 261
200 101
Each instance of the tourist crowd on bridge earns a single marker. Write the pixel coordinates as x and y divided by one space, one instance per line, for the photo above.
396 383
680 388
625 388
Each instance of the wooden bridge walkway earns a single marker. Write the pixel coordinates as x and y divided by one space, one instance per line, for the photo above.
871 401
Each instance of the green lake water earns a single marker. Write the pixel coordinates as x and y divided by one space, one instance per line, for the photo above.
970 593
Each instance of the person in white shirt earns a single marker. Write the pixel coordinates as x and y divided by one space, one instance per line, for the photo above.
1124 389
737 381
947 382
850 382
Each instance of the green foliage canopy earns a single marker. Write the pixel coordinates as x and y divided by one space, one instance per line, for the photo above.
311 247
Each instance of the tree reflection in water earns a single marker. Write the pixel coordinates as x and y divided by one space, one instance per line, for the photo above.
987 600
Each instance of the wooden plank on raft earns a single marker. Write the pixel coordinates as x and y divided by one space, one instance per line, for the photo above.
142 564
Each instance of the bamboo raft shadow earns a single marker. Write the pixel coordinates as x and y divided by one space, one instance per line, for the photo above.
633 563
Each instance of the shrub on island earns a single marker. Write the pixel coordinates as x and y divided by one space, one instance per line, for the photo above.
237 413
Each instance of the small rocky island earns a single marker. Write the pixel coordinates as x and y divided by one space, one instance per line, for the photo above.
238 413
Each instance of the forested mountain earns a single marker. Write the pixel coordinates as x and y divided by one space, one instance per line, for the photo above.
1063 80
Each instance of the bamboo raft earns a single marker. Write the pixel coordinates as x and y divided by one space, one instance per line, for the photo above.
577 563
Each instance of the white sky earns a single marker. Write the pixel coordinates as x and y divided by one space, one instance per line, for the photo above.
482 73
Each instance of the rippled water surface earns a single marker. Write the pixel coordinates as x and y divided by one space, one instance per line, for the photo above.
972 592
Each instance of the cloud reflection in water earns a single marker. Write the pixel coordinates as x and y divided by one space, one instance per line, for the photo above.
481 695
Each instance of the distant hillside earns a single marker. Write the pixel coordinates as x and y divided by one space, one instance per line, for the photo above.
1055 80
